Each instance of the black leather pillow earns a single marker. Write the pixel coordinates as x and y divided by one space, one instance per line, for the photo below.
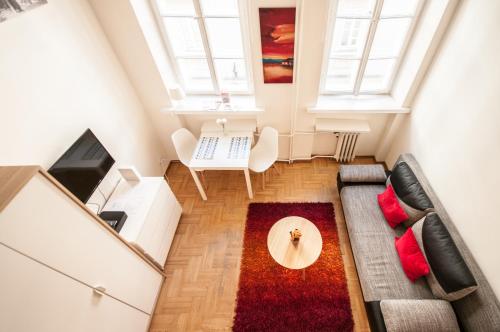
410 193
450 278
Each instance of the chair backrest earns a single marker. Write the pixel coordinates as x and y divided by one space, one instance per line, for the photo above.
265 152
184 143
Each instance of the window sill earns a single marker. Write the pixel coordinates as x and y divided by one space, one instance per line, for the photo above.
203 105
357 104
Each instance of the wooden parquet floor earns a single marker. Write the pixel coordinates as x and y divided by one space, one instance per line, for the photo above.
203 265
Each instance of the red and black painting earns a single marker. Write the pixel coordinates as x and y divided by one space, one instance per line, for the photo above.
277 33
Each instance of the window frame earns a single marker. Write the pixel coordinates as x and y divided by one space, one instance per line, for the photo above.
372 29
200 18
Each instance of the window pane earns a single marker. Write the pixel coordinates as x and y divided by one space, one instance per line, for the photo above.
184 35
196 74
349 38
220 7
224 35
232 74
377 75
389 37
341 75
399 8
176 7
356 8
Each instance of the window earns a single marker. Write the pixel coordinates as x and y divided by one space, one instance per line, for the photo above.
367 43
204 38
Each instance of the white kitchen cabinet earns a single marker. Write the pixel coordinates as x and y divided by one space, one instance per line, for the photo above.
37 298
64 269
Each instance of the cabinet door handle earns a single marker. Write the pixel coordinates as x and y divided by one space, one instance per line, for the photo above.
99 290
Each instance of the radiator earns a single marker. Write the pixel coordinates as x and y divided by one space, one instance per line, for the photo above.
346 147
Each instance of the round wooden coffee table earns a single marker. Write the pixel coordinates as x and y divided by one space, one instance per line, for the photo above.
294 255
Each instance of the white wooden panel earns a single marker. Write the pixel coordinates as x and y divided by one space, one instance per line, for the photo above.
153 214
167 221
44 223
158 218
164 248
36 298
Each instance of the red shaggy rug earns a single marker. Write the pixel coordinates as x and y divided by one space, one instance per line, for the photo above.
273 298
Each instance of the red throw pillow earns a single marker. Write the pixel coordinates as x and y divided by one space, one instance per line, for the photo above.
411 257
389 204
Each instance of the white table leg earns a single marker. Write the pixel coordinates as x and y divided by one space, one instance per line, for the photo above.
198 184
249 183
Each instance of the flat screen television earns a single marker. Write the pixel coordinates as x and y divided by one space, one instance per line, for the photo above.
83 166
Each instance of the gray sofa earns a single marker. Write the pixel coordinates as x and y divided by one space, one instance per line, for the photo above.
377 262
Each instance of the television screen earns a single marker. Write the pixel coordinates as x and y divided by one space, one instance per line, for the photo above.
83 166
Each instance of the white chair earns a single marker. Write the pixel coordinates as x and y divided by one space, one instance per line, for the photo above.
185 144
265 153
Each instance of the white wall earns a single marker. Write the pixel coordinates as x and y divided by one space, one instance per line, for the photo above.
454 129
59 76
147 69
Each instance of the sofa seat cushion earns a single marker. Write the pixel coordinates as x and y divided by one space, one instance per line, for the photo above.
361 203
419 315
372 243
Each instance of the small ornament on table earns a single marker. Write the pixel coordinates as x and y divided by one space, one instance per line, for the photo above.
295 235
222 122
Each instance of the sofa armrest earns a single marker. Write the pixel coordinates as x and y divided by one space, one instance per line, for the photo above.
418 315
362 173
356 175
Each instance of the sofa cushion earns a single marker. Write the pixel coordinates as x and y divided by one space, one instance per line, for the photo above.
413 198
418 315
412 259
480 310
362 173
372 243
450 277
389 204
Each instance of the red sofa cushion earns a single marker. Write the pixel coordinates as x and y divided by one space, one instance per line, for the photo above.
389 204
412 259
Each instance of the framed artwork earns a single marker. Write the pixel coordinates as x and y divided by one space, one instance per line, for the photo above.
277 38
12 8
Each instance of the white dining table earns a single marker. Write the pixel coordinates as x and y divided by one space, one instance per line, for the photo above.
219 151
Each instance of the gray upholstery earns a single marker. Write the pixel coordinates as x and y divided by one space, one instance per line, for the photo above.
418 315
479 311
379 269
372 242
362 173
